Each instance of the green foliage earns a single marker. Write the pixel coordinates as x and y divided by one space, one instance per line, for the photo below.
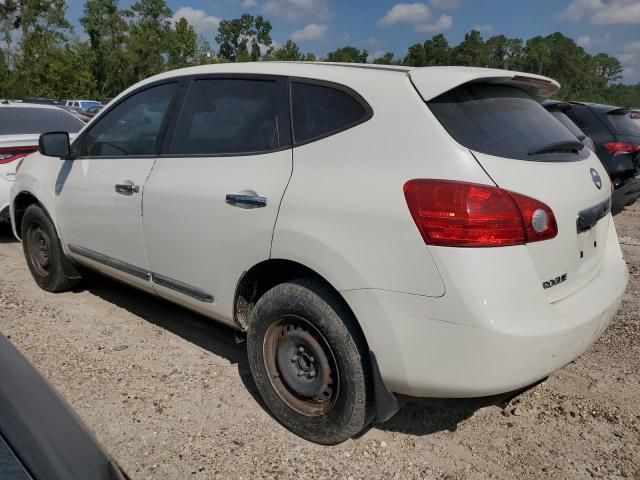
149 37
288 52
183 46
124 46
471 51
240 39
108 41
386 59
437 51
347 54
416 56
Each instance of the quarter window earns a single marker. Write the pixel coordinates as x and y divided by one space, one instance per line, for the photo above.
228 116
319 110
131 127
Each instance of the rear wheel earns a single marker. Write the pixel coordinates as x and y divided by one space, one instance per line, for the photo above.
49 266
309 362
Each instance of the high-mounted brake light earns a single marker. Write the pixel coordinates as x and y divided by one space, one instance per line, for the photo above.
621 147
11 154
461 214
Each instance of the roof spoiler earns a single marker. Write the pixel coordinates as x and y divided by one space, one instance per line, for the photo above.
434 81
618 111
556 106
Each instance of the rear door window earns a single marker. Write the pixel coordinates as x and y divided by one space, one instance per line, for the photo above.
232 116
321 110
503 121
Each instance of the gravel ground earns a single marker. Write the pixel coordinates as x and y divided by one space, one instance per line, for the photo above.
169 394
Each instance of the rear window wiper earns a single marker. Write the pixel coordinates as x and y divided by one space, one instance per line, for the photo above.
565 146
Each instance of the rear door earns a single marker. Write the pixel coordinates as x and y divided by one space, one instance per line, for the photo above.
526 150
211 202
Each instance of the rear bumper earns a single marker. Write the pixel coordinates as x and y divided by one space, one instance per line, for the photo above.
490 334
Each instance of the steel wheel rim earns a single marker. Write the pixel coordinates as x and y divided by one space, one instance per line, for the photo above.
38 246
301 366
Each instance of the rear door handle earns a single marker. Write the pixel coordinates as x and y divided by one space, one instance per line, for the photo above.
127 188
253 200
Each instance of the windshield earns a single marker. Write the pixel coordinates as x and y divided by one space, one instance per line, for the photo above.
20 121
502 121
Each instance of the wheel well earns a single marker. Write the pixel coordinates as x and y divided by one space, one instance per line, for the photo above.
20 204
266 275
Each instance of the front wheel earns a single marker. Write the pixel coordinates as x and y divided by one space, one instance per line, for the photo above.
309 362
49 266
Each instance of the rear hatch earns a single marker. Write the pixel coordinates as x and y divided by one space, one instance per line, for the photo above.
524 149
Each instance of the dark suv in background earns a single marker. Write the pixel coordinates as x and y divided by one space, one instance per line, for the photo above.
559 110
617 144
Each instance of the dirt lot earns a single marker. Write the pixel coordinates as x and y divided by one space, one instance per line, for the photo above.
169 394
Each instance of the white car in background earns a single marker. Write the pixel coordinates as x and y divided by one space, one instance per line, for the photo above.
81 105
20 127
374 231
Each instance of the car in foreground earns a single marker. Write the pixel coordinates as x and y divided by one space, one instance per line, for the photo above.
20 127
617 141
431 232
41 437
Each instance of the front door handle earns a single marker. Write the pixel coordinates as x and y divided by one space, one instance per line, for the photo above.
252 200
127 188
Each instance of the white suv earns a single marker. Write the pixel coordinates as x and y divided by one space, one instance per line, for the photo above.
374 231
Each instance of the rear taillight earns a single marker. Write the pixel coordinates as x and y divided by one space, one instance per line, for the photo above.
460 214
11 154
620 147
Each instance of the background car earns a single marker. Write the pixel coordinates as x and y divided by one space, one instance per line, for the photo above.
617 142
558 109
81 105
93 111
20 127
42 100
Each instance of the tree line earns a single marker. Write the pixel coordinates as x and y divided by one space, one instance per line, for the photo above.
42 55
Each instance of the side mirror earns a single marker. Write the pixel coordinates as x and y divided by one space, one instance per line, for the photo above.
54 144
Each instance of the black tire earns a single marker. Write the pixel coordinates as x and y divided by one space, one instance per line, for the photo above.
302 331
49 266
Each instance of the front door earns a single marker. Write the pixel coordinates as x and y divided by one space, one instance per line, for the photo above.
211 202
99 192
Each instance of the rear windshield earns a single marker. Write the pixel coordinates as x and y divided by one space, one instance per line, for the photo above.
502 121
21 120
568 123
622 124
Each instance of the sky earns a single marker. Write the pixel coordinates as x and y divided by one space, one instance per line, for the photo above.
319 26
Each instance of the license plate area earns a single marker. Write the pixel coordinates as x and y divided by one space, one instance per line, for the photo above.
589 217
590 237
